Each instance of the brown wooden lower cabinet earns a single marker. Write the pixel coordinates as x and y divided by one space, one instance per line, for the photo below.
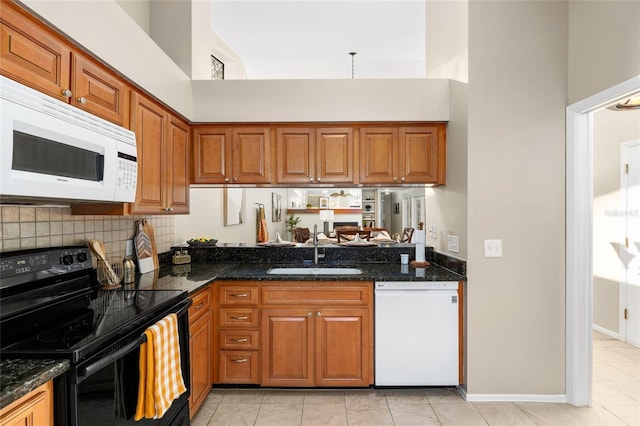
316 335
33 409
200 349
288 334
315 347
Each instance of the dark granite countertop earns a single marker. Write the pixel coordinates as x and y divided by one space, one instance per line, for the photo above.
250 262
238 262
21 376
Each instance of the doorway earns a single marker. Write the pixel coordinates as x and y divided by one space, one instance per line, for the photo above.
579 222
630 249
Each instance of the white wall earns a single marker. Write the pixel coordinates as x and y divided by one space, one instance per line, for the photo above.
610 129
517 98
320 100
171 29
105 29
447 39
604 45
447 205
139 10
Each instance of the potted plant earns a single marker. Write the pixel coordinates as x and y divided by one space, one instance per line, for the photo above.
292 223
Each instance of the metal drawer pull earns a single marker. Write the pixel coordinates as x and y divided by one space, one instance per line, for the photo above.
199 305
239 340
239 295
240 318
240 361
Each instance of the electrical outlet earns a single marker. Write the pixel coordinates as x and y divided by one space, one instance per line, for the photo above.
492 248
433 231
452 243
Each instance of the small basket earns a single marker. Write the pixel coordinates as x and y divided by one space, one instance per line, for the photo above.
110 273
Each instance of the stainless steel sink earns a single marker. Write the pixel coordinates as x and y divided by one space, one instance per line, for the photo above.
315 271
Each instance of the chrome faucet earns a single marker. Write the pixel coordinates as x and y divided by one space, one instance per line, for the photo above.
315 244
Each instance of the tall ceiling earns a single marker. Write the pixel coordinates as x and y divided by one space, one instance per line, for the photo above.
308 39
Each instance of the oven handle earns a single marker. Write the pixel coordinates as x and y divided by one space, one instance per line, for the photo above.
103 362
90 369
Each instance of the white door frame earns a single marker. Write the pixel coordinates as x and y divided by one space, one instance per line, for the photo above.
579 223
624 286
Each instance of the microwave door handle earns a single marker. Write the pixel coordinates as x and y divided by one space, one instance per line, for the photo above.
86 371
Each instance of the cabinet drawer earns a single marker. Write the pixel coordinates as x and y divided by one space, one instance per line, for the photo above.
344 294
200 305
238 295
238 366
238 340
238 318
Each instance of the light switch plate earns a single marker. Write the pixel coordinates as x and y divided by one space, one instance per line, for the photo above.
492 248
452 243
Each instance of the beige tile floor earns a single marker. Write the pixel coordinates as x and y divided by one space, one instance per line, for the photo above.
616 401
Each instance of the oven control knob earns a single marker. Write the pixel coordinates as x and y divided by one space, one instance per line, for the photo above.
67 259
81 257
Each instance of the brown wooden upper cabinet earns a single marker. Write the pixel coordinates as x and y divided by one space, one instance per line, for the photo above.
403 155
36 56
163 159
308 155
224 155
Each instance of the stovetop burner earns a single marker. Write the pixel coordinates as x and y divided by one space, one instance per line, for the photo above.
66 335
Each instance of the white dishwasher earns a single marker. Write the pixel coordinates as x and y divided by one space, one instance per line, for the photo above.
416 333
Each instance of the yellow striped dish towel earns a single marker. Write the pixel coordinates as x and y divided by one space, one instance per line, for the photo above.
160 373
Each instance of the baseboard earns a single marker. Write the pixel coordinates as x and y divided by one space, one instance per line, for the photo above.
606 332
509 397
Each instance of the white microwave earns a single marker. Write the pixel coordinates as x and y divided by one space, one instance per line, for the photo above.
51 151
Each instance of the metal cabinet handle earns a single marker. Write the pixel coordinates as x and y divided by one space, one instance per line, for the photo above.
244 318
319 313
82 100
318 179
68 93
168 209
239 295
239 340
395 179
310 179
235 178
240 361
402 178
198 306
226 179
309 313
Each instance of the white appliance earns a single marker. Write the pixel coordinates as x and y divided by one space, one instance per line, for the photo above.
52 151
416 333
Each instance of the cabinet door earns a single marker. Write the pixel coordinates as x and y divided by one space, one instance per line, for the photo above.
177 170
343 347
334 155
97 91
379 155
200 352
422 152
295 152
251 155
211 155
149 124
32 54
33 409
240 367
287 347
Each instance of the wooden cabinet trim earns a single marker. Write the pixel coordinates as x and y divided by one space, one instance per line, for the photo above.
34 408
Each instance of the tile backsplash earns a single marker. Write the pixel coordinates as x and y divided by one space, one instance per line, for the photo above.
26 227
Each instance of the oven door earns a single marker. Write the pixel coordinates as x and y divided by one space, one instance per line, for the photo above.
103 390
